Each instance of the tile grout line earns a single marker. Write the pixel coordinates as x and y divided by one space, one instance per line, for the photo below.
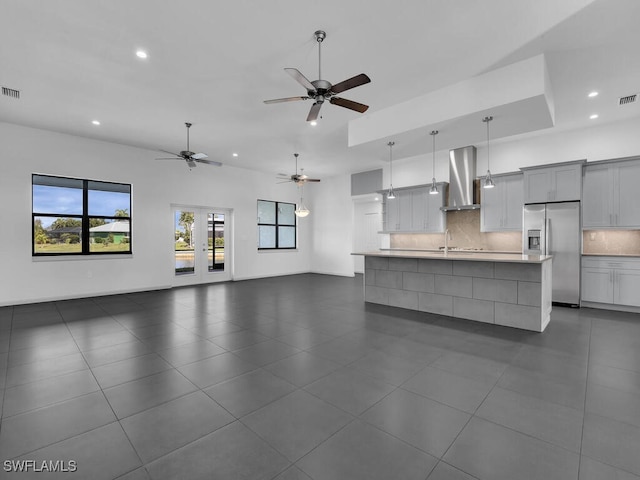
586 388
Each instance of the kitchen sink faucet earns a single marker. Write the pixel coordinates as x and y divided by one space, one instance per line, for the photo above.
447 237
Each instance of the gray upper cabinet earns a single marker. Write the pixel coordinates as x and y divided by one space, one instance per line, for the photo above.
391 214
501 206
553 183
415 210
611 195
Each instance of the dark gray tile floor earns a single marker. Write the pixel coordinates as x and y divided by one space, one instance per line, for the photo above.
243 380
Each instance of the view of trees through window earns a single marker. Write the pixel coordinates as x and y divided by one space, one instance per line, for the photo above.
75 216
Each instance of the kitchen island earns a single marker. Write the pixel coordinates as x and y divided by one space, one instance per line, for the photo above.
504 289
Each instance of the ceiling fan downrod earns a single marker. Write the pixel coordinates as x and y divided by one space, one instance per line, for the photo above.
320 36
188 128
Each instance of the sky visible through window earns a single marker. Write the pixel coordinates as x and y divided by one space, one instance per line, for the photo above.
68 201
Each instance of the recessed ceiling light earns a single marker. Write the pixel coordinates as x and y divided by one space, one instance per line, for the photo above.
141 54
594 116
313 123
593 94
95 122
234 154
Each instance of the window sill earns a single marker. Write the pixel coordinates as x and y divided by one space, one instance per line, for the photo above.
66 258
278 250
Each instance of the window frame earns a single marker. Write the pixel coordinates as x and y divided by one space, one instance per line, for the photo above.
276 226
85 218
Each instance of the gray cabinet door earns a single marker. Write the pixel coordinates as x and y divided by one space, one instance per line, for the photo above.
501 206
391 217
492 207
596 203
627 195
419 209
435 216
566 183
513 202
627 287
537 185
597 285
405 206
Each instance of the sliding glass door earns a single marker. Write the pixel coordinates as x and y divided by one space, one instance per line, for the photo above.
202 245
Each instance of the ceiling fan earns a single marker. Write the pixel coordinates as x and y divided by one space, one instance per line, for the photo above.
300 179
321 90
188 156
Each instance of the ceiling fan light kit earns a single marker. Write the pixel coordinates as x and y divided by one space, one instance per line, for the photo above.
321 90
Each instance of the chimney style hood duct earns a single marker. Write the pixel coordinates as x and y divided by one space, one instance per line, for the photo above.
462 179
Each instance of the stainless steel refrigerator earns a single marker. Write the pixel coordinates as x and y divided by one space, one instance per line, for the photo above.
554 229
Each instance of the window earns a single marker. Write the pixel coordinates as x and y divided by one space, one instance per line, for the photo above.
72 216
276 225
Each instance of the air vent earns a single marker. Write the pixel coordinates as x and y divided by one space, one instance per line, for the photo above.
10 92
628 99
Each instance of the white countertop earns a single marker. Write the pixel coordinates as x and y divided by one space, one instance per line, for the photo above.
459 255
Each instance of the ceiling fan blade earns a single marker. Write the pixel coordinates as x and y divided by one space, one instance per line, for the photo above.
312 180
313 113
169 158
191 164
350 104
286 181
288 99
301 79
352 82
199 156
170 153
208 162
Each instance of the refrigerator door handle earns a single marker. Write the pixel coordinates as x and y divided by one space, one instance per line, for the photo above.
548 237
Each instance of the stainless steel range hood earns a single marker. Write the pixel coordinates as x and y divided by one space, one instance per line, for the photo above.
462 179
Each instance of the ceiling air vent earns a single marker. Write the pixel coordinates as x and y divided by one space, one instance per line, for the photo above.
10 92
628 99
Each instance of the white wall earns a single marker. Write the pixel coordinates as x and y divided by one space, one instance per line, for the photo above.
156 185
367 223
332 226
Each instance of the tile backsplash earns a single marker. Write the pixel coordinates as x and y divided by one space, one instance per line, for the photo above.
464 226
611 242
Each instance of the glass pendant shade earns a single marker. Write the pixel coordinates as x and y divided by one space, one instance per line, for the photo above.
391 194
488 181
301 211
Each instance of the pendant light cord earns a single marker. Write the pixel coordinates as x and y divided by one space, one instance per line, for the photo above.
433 134
391 144
487 120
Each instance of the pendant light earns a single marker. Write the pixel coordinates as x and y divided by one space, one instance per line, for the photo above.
434 189
390 194
301 210
488 181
